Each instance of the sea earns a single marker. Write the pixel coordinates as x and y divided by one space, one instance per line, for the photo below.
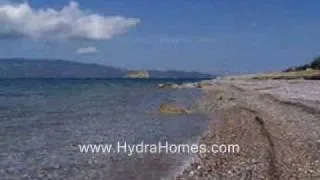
44 121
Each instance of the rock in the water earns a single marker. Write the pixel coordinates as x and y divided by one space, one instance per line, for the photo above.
204 84
173 109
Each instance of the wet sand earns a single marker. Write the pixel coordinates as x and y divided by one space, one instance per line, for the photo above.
275 122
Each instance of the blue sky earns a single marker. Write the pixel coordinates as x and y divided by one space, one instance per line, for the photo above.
208 36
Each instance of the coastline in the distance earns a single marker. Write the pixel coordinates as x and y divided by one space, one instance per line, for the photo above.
30 68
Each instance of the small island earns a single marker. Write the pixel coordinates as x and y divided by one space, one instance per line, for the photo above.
138 74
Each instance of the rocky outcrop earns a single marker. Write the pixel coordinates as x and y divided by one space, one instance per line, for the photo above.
138 74
203 84
173 109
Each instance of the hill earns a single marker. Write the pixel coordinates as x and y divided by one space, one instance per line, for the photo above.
30 68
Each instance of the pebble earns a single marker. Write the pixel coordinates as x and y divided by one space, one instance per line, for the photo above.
191 173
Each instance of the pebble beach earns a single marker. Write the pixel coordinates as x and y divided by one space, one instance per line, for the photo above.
275 122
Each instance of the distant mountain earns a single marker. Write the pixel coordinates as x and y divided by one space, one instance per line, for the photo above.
55 68
29 68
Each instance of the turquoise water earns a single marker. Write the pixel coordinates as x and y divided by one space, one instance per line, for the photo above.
43 121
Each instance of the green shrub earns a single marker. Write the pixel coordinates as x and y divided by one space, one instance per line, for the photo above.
315 64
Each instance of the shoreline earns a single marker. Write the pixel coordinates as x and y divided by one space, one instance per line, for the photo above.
275 122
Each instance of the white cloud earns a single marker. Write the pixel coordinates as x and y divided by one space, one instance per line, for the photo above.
87 50
68 22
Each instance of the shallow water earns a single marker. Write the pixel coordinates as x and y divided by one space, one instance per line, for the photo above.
42 122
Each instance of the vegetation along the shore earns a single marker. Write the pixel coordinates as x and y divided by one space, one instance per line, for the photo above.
314 65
